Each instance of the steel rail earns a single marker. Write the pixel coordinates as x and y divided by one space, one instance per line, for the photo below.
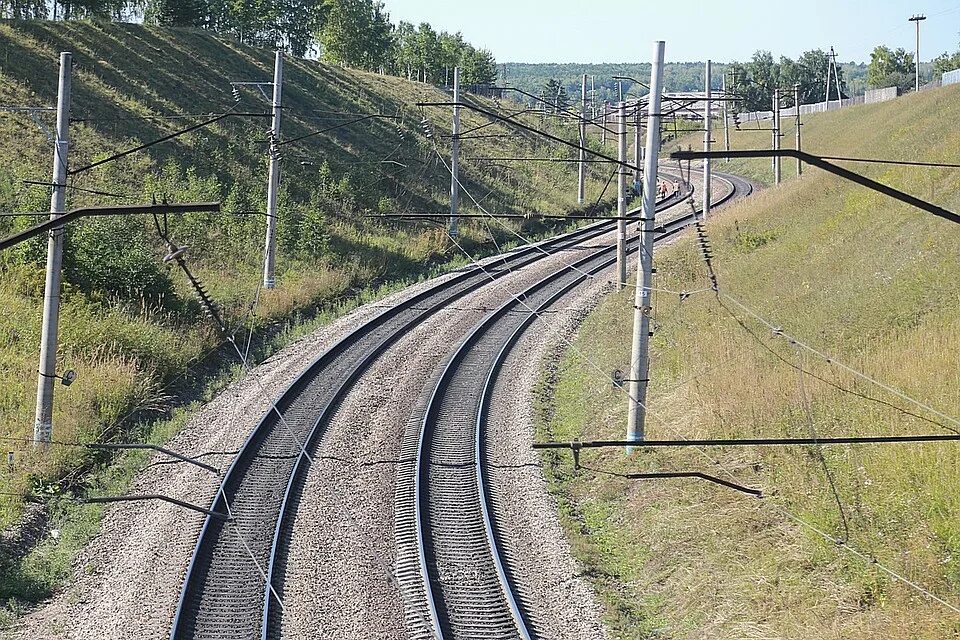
439 613
446 608
202 564
294 484
212 531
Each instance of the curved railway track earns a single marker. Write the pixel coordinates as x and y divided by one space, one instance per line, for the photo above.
449 559
224 593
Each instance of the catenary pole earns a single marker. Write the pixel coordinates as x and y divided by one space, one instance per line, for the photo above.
43 427
796 104
621 195
582 166
726 118
776 135
270 244
637 148
639 357
707 133
455 157
603 122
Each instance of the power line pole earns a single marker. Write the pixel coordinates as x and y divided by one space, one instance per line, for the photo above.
776 135
582 166
726 119
621 195
707 132
603 123
637 149
917 19
826 97
836 78
43 427
796 104
270 244
455 156
832 66
639 357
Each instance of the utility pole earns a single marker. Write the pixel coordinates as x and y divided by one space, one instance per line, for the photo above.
603 125
43 427
836 78
582 166
270 244
455 156
832 66
637 149
726 115
796 104
593 98
707 132
639 357
917 19
776 135
621 195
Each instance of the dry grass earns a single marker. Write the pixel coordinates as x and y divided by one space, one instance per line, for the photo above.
857 276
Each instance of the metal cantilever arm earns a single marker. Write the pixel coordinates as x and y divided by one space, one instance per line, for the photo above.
819 162
76 214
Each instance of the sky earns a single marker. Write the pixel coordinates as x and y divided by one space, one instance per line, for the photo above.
722 30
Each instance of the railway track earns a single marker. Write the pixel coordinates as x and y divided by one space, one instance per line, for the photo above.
458 583
224 593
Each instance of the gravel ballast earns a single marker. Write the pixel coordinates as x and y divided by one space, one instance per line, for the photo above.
337 584
130 575
342 547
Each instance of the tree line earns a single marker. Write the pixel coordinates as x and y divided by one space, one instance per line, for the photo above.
354 33
897 68
754 80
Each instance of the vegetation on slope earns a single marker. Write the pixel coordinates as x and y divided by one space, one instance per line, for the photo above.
852 273
129 325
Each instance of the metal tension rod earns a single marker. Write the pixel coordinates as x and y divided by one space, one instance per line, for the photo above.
83 212
656 475
817 161
150 447
506 216
153 496
747 442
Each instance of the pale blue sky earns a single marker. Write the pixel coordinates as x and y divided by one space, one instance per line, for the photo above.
578 31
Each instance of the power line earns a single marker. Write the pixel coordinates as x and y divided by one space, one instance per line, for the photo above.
180 116
819 162
337 126
778 331
147 145
839 543
544 134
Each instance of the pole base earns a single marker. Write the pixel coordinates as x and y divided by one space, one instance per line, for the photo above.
42 432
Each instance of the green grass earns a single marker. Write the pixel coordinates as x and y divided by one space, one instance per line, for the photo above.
130 326
852 273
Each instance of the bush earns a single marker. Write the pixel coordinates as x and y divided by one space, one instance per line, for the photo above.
112 256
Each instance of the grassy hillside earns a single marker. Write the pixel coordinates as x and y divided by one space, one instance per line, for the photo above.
859 277
130 325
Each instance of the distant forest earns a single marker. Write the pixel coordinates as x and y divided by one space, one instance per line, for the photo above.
678 76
